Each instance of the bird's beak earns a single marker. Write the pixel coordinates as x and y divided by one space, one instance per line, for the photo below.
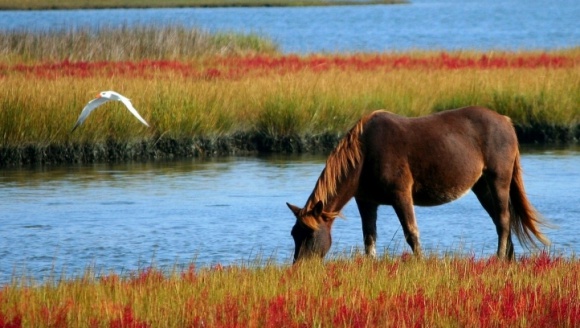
99 95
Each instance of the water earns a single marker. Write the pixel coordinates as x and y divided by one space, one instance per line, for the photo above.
423 24
232 210
229 211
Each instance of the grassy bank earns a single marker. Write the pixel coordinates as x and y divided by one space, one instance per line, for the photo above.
394 291
102 4
263 101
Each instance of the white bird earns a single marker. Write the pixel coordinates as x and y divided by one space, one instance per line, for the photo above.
102 98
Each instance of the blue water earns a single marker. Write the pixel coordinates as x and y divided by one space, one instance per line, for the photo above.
122 217
423 24
230 211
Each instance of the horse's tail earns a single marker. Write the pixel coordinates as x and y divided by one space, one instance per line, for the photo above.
525 219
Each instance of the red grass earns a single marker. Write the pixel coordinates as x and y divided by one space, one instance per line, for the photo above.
14 322
128 320
367 62
236 67
498 294
481 307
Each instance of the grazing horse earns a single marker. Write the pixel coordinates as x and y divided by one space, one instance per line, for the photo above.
387 159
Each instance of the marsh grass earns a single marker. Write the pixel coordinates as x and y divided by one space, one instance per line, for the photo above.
127 43
272 97
293 104
541 290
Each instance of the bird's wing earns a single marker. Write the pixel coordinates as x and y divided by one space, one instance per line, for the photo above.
88 109
132 109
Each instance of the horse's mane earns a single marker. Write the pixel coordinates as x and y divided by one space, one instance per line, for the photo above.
345 157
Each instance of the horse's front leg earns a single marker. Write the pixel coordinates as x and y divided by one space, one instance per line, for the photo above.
368 215
405 211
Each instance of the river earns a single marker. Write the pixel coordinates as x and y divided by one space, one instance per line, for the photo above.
122 217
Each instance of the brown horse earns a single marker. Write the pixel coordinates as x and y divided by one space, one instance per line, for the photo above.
386 159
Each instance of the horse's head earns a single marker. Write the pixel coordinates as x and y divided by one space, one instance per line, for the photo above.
311 232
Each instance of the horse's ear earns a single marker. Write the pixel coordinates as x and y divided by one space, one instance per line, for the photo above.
294 209
317 210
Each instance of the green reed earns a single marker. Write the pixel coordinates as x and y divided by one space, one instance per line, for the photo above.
301 103
127 43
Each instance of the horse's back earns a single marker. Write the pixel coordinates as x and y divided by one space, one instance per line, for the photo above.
491 134
474 127
440 155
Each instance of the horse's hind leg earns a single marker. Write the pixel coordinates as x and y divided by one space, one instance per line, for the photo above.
494 197
403 206
368 215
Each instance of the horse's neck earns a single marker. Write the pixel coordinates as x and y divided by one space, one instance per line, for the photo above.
333 194
339 179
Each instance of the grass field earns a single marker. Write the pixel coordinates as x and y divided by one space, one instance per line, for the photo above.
238 86
395 291
280 95
85 4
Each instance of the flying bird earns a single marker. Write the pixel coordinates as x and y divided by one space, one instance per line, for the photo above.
102 98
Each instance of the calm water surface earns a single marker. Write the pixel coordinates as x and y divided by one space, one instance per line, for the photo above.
423 24
127 216
229 211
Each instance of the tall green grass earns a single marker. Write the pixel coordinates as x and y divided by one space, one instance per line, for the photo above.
278 105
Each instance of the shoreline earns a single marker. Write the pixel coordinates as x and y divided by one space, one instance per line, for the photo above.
156 4
237 144
159 148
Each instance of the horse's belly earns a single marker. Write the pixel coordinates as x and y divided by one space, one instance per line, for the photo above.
428 197
423 196
445 183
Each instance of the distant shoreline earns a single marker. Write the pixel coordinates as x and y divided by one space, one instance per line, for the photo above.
126 4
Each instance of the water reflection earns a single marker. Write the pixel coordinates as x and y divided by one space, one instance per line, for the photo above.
228 210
